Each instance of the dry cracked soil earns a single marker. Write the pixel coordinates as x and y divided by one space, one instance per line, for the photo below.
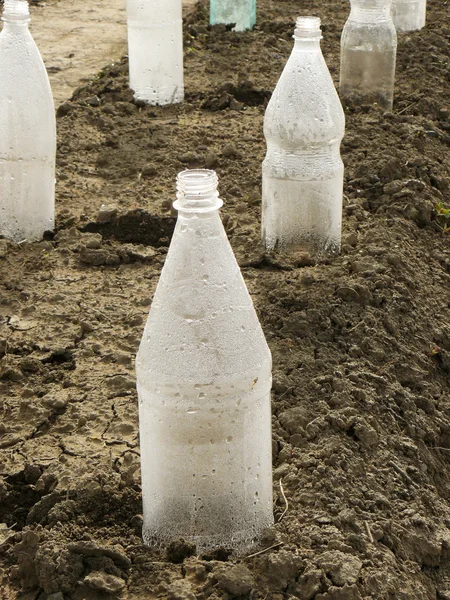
360 343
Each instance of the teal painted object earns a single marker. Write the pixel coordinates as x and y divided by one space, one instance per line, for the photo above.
240 12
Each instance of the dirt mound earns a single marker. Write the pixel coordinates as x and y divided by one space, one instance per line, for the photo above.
361 343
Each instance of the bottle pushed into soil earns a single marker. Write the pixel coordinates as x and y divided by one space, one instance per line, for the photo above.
203 379
368 54
241 13
28 131
302 180
409 15
155 50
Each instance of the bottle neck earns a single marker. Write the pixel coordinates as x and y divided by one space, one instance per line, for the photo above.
16 12
370 11
307 34
307 45
12 25
197 193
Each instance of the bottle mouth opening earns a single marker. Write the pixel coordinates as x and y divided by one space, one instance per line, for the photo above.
16 10
197 191
308 27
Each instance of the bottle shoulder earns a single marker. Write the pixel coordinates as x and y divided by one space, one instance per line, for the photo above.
378 30
305 103
25 93
202 321
20 57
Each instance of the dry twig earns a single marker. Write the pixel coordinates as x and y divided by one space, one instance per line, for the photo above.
369 533
265 550
286 501
402 473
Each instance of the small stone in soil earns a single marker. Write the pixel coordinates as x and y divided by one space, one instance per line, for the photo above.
178 550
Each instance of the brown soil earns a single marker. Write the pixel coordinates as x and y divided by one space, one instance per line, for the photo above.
361 344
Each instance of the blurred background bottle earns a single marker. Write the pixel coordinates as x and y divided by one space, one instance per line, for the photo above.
203 379
240 12
155 50
28 131
368 54
409 15
302 180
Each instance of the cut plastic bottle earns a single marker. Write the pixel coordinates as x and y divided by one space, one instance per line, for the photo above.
28 131
368 54
241 13
204 379
155 50
409 15
302 173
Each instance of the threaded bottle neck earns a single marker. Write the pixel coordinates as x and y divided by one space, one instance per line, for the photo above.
16 10
371 6
197 191
308 29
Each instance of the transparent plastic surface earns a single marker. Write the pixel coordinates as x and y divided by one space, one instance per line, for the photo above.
240 12
368 54
204 378
303 171
155 49
28 131
409 15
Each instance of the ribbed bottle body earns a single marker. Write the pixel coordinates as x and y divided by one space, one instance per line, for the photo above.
302 199
155 50
28 140
368 54
409 15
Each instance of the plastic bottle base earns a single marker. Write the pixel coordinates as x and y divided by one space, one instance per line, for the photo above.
237 542
161 99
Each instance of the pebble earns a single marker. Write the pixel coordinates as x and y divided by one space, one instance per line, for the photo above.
97 257
3 248
393 187
230 151
341 567
281 569
93 101
121 383
211 160
180 590
309 584
103 582
106 214
149 171
30 365
237 580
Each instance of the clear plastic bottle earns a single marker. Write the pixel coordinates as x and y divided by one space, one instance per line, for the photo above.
203 379
28 131
155 50
368 54
409 15
240 12
302 180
